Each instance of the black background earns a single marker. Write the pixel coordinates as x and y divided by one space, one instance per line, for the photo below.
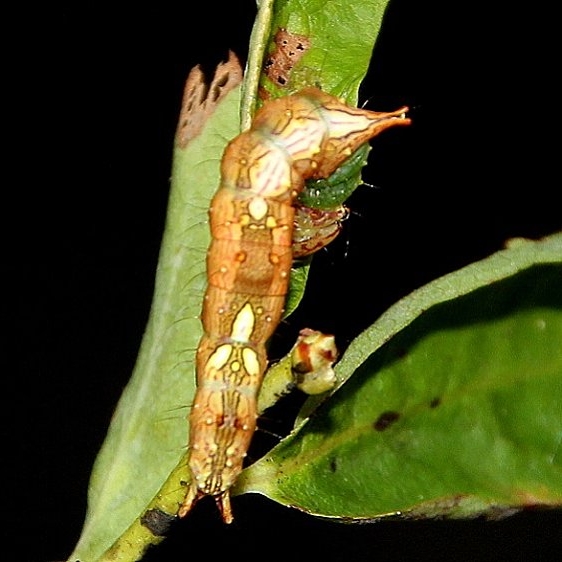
96 95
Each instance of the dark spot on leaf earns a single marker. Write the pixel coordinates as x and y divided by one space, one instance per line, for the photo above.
435 402
333 465
157 521
385 420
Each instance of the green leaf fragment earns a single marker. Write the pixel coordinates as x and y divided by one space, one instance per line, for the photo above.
299 277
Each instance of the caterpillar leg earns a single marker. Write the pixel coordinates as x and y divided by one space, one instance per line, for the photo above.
313 229
223 503
222 500
189 501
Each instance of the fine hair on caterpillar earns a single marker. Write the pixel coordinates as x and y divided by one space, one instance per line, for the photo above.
307 135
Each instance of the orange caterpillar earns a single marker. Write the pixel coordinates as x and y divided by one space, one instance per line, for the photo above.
293 138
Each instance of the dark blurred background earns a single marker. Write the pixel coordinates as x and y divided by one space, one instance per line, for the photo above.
96 94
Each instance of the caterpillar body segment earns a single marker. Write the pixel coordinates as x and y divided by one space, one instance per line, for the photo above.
293 138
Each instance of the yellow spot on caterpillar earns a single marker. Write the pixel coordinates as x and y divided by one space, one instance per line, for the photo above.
258 208
219 357
270 222
251 363
235 366
274 259
243 324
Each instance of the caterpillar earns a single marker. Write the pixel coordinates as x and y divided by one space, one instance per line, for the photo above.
307 135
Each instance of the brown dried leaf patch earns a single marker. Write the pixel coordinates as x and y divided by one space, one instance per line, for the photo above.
201 98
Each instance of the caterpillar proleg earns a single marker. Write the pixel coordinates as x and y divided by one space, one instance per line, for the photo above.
292 139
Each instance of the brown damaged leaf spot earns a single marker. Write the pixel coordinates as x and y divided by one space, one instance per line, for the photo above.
200 98
289 49
385 420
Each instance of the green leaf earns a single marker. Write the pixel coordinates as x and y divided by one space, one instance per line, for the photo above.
453 408
148 432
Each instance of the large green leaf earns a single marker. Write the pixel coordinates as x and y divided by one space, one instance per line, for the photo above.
148 432
454 406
